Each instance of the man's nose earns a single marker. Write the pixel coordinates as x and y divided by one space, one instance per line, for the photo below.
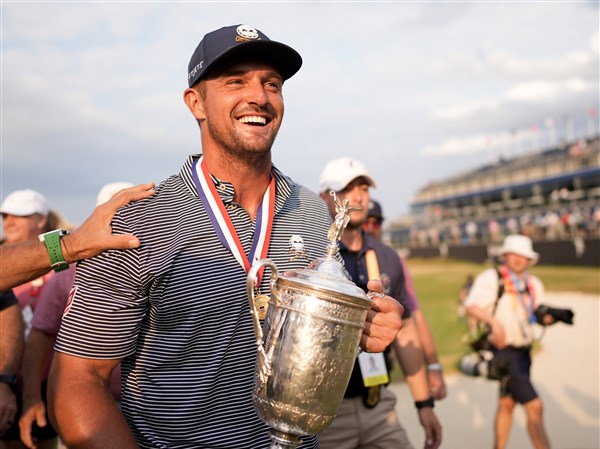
256 93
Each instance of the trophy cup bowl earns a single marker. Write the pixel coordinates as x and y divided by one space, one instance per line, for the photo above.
307 347
308 342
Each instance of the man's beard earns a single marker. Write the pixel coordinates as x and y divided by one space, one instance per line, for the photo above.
241 149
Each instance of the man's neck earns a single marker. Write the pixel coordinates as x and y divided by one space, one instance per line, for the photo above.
249 180
519 274
352 238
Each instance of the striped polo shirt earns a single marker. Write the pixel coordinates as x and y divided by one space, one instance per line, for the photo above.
176 311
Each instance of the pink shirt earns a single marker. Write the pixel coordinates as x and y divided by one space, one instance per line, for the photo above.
411 295
49 311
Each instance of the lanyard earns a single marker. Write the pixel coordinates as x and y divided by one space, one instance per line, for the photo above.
510 285
224 226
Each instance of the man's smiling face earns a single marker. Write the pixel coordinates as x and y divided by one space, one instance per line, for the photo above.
243 107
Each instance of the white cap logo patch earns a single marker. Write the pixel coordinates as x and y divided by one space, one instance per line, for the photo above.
296 247
247 32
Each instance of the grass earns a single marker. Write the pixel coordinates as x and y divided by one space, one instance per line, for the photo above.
438 283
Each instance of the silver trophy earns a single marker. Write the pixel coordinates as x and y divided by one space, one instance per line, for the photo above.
307 346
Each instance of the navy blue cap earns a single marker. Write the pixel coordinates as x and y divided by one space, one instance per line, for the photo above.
375 210
241 40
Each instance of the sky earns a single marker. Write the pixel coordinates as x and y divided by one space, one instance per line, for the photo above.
91 92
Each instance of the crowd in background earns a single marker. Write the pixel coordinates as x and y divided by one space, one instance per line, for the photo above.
565 223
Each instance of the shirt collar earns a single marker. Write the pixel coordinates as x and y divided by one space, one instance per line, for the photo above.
283 184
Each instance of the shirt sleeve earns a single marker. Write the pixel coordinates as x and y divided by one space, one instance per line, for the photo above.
399 288
52 302
539 293
107 305
411 294
7 299
484 291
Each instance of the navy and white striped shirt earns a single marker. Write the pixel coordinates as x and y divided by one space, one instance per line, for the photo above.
177 312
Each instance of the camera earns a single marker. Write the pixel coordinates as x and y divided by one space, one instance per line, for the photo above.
564 315
483 364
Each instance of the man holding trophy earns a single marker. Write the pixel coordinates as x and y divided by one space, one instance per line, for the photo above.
174 312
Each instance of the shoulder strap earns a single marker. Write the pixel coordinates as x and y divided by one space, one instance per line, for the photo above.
500 289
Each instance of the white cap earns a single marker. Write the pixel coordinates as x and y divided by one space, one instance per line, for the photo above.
107 192
338 173
520 245
22 203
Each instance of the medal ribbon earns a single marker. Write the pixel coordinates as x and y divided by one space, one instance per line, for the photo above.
224 226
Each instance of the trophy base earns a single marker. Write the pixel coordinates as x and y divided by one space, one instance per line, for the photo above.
282 440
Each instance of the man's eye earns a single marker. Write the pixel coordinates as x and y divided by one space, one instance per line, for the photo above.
274 85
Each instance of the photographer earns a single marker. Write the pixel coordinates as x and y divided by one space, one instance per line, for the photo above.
506 299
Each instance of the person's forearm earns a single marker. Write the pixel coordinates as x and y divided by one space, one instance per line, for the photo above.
22 262
412 361
35 362
480 314
81 406
426 337
12 332
90 419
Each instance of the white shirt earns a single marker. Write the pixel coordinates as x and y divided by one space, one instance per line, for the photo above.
511 312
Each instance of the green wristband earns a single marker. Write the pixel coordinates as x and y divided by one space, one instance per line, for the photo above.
52 241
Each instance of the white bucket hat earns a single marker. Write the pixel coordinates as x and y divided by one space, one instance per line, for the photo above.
22 203
338 173
520 245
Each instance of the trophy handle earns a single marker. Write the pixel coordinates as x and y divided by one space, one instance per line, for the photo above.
263 361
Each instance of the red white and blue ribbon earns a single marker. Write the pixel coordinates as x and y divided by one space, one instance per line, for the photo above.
224 226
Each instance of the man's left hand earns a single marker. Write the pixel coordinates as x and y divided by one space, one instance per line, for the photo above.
384 320
433 428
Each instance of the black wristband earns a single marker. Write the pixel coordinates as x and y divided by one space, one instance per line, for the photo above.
10 379
425 403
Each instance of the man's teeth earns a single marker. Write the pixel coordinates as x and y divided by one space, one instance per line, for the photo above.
254 120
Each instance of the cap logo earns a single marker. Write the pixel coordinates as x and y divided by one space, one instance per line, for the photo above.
246 32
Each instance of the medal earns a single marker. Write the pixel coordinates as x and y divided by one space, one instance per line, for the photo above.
262 305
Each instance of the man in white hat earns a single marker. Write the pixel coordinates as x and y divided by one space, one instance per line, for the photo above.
24 215
367 417
505 299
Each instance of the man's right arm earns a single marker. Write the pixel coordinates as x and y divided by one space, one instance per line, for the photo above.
11 347
22 262
81 406
482 295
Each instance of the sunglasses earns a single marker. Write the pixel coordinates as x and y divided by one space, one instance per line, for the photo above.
372 223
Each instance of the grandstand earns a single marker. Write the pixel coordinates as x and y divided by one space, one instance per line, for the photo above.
552 196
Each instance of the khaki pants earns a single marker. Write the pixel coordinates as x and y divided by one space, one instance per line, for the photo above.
359 427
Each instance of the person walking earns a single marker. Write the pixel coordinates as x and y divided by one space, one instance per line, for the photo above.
175 312
435 376
510 317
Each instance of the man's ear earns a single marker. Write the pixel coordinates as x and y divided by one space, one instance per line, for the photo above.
194 102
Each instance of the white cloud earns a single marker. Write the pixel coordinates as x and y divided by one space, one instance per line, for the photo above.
100 85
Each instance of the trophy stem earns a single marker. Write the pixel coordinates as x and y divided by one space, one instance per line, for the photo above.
282 440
